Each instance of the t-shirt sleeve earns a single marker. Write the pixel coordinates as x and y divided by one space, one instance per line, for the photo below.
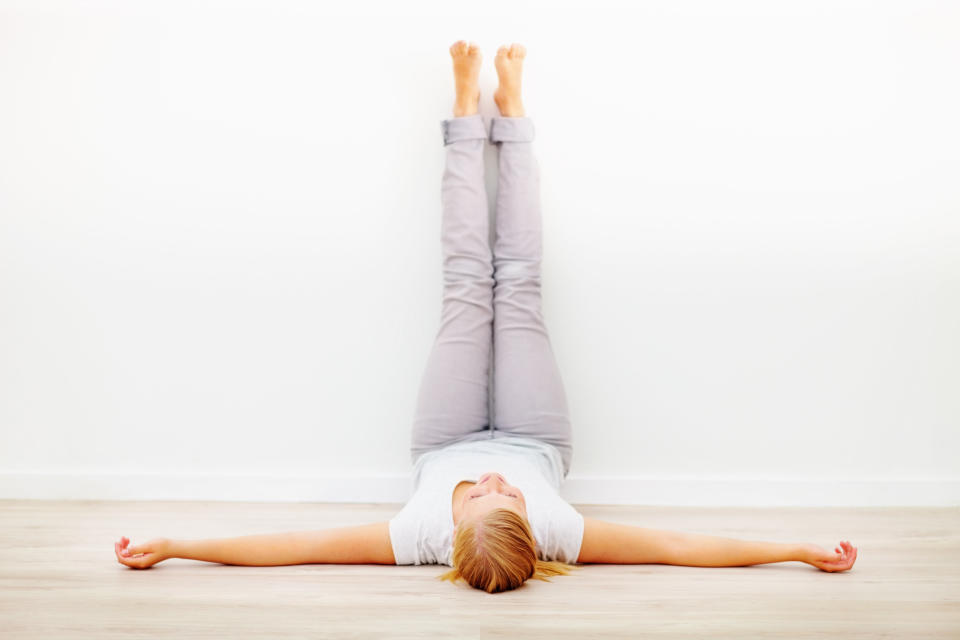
419 534
561 532
569 535
403 535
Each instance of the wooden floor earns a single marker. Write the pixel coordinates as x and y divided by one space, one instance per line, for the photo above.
59 578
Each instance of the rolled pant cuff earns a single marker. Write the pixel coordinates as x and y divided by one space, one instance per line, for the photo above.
464 128
511 129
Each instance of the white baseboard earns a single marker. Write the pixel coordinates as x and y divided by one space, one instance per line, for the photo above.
601 490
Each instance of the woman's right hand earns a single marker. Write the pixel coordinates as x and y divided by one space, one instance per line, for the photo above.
841 559
142 556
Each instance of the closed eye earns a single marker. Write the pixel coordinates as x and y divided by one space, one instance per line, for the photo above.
510 495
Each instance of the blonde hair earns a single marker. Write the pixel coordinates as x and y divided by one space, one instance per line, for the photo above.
497 553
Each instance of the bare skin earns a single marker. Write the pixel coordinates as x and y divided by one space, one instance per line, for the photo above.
472 500
509 64
466 75
603 542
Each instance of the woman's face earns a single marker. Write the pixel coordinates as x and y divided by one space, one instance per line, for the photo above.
491 492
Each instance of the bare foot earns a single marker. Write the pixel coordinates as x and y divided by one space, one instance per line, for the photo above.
509 63
466 74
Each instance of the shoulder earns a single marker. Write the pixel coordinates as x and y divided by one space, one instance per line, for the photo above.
422 531
557 527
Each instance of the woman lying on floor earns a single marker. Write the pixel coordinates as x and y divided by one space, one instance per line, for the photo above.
496 529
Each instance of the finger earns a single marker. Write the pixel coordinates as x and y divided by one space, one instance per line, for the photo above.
142 562
130 559
129 562
122 559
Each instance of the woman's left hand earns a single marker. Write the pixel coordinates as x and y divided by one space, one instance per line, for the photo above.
142 556
841 559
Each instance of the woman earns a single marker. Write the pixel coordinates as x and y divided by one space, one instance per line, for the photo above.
486 496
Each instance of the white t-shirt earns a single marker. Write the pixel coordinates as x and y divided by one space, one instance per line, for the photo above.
422 532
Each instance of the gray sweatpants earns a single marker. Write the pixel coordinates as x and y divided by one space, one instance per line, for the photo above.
491 300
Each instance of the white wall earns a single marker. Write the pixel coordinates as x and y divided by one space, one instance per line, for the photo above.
220 259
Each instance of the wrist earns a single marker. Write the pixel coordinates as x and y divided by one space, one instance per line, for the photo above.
173 548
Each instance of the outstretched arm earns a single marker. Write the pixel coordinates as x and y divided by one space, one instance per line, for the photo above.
608 542
364 544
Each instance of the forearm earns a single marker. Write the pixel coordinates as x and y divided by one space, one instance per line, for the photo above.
345 545
697 550
254 550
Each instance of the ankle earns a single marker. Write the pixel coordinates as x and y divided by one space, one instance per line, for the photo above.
510 105
466 104
463 111
512 112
